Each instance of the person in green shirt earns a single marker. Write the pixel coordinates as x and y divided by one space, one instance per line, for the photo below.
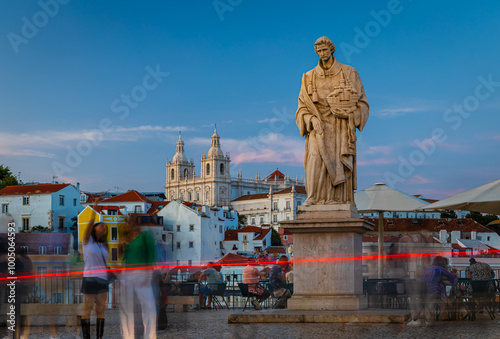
140 259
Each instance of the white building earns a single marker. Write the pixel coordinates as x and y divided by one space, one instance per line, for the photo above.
270 208
214 185
198 231
47 205
131 201
247 240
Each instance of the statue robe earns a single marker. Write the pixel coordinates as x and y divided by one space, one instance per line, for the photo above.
330 153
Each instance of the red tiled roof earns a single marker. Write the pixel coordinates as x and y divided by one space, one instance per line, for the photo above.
263 234
428 225
129 196
155 206
32 189
231 235
298 189
233 259
419 196
252 196
275 249
100 208
275 175
247 229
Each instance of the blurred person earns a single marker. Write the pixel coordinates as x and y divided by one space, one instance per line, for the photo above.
95 284
277 279
212 277
251 276
289 274
139 258
436 277
480 271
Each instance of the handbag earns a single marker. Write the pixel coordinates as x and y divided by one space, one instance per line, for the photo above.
111 275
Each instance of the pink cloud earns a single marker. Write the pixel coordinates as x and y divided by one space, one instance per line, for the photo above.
380 150
376 162
418 179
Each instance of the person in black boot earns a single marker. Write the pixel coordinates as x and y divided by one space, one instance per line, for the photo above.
85 328
95 285
99 328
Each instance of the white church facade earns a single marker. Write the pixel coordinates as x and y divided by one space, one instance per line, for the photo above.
213 186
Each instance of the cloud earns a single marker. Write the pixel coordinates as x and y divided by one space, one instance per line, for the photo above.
419 180
488 136
380 150
43 143
401 111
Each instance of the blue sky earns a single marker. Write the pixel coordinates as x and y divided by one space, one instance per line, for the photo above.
430 71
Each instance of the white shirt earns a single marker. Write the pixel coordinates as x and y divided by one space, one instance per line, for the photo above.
95 256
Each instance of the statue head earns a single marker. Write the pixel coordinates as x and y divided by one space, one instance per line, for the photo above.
324 41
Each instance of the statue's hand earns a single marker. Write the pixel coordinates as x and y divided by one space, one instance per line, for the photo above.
316 125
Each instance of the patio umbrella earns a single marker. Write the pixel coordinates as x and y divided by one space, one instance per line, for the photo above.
484 199
382 198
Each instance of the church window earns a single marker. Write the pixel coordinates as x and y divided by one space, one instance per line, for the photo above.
208 169
189 196
172 174
221 169
185 173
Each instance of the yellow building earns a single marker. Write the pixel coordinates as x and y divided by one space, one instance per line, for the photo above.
115 221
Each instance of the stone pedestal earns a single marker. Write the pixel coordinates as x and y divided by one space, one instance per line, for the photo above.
327 258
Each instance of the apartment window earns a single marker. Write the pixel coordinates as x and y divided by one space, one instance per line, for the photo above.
26 200
245 237
191 244
275 206
253 221
261 220
178 228
288 205
57 298
24 249
137 209
285 237
264 243
178 245
112 212
197 195
114 254
61 222
26 223
275 218
57 269
221 229
5 208
61 200
160 220
74 202
57 249
191 228
221 245
114 233
42 250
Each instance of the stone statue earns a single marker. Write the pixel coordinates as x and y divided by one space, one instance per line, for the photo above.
332 104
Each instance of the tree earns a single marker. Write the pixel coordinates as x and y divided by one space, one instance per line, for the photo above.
448 214
6 177
275 238
480 218
242 220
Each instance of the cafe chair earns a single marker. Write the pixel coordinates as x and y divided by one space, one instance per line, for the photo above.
246 294
219 292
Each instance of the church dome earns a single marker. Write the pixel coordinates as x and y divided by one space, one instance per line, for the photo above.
215 150
180 157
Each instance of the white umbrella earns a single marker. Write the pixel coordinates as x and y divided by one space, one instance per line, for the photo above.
484 199
382 198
